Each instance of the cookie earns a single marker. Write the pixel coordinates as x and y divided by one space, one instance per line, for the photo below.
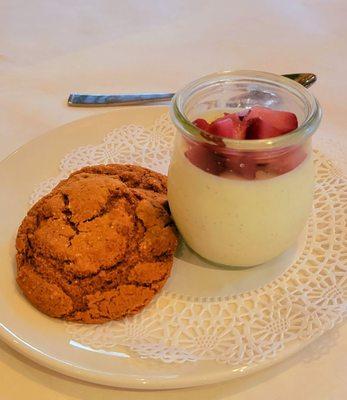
99 246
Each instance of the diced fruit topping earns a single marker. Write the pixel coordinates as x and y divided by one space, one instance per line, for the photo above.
243 166
265 123
205 158
286 162
256 123
202 124
230 126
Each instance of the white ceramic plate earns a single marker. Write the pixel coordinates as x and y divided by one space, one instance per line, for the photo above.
208 324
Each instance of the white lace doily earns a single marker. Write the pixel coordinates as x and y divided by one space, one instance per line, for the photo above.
308 299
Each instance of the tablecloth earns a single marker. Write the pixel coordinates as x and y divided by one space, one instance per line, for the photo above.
49 49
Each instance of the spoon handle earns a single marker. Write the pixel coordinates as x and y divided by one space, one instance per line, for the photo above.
305 79
103 100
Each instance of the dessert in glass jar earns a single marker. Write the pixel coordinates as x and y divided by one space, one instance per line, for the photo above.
240 183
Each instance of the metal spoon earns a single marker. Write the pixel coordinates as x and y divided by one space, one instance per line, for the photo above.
102 100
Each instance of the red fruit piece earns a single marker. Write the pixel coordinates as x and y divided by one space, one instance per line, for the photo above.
205 158
202 124
229 126
287 162
243 166
242 114
266 123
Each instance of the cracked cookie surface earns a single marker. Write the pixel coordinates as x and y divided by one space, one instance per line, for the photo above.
99 246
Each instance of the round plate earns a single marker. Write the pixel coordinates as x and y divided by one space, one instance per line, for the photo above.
169 344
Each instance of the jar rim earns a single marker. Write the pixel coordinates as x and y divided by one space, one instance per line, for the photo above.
302 132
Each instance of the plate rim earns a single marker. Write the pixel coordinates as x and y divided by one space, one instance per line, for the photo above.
119 381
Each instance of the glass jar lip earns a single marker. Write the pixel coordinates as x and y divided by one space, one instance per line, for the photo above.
304 130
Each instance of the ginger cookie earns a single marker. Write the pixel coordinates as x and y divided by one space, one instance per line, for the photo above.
99 246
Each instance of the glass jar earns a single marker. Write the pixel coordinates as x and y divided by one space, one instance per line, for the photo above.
241 202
